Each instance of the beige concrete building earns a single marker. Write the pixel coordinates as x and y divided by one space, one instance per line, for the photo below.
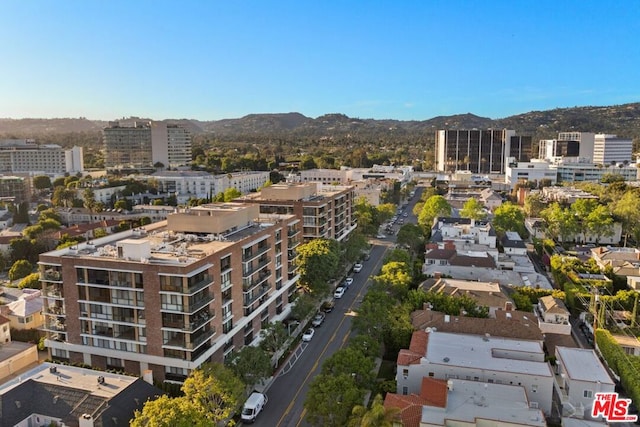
174 294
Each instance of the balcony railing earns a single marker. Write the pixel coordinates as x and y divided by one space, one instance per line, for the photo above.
193 306
253 255
54 326
52 276
260 265
192 289
52 293
55 311
256 296
248 284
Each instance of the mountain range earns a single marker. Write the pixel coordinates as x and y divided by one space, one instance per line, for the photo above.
623 120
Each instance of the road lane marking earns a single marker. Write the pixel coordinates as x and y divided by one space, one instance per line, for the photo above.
324 350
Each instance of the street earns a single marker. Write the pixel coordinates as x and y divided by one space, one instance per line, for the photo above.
288 390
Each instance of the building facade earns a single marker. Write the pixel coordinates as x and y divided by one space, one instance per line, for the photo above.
25 156
478 151
173 295
609 149
142 145
326 211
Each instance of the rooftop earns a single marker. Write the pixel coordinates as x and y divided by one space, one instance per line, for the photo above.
180 240
486 353
583 365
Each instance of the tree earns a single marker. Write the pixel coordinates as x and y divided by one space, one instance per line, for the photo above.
599 222
385 212
351 361
627 209
318 262
215 390
231 193
49 214
21 268
251 365
367 216
41 182
308 163
473 209
304 304
434 207
32 281
63 197
395 276
330 400
89 199
509 217
273 337
373 313
366 345
561 222
377 416
354 246
411 236
533 205
170 412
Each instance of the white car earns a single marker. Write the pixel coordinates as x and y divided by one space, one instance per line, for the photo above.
339 292
381 236
347 282
308 334
357 268
317 320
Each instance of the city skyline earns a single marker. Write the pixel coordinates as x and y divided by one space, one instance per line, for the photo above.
407 61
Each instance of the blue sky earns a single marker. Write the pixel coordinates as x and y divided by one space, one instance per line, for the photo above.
406 60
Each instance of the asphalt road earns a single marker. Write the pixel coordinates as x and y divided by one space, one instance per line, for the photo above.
288 390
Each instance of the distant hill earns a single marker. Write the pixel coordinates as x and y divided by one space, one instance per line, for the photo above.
623 120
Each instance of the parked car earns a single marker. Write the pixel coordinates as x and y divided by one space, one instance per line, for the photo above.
381 236
308 334
348 282
327 306
357 268
318 319
339 292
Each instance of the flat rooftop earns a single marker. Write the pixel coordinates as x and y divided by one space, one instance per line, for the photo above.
168 247
74 377
477 352
472 400
583 365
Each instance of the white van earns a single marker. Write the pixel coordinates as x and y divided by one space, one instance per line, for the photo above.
252 407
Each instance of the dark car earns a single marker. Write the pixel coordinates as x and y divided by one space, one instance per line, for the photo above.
327 306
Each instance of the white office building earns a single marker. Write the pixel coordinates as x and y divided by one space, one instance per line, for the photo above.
609 149
25 156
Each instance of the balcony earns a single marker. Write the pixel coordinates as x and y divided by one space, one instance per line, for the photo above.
52 325
252 269
52 276
191 289
52 292
194 305
292 233
246 257
256 296
55 311
248 284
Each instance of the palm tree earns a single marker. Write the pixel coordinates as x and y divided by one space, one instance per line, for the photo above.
377 416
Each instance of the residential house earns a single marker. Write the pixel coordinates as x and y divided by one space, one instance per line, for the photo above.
14 356
513 244
624 261
23 307
630 344
553 316
579 375
486 294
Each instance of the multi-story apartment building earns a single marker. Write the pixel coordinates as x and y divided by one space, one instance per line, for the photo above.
173 295
486 359
327 211
142 145
195 184
609 149
478 151
28 157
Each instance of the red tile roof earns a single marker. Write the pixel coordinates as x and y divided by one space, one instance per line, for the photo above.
432 393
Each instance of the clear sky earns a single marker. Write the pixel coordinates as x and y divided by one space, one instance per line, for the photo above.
402 59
